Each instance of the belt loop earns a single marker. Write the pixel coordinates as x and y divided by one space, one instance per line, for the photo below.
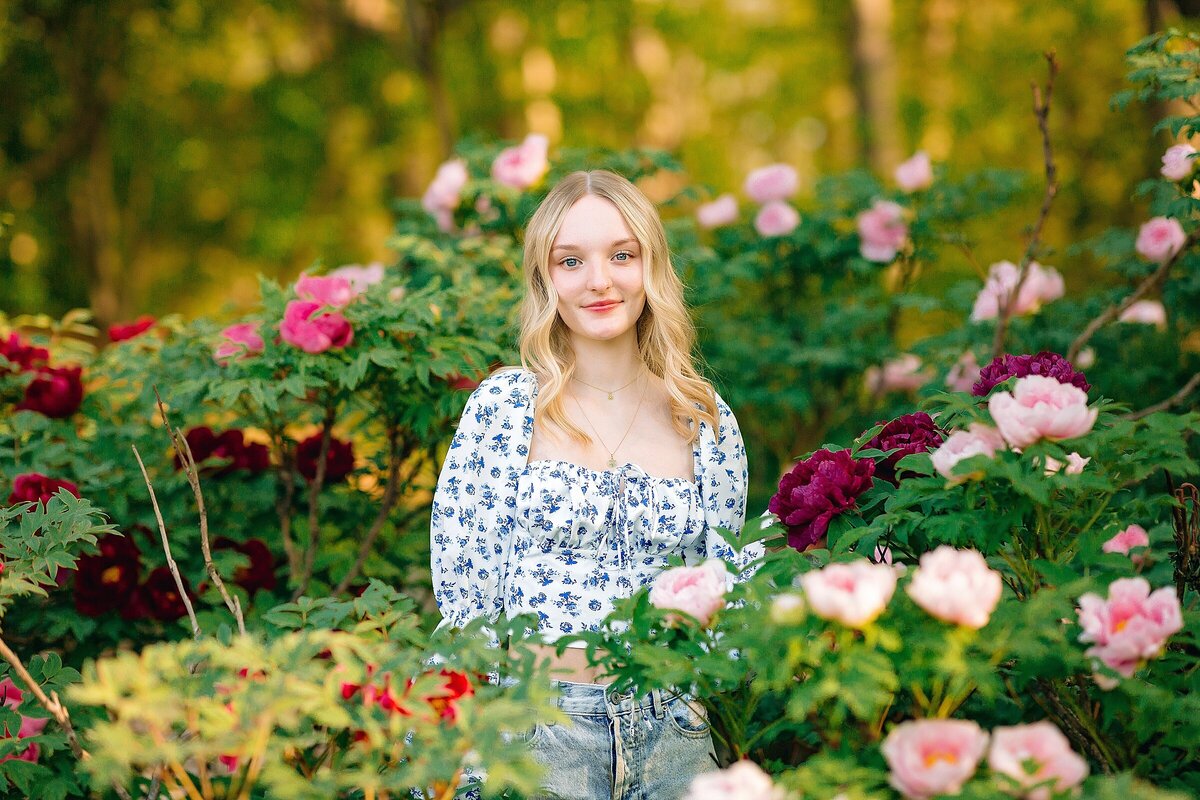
657 701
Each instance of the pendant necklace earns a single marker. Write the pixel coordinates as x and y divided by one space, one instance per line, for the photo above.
612 454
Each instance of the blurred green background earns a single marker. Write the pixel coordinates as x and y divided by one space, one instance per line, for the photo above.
157 154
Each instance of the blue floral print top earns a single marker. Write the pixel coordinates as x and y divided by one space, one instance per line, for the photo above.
561 540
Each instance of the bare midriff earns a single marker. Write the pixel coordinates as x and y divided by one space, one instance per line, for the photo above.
571 666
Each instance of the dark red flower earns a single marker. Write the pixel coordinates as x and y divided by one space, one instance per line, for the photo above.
230 446
128 330
1052 365
55 392
34 487
158 597
338 464
24 356
910 433
461 383
816 490
260 572
105 581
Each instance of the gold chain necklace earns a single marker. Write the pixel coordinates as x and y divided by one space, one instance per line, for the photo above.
612 454
610 391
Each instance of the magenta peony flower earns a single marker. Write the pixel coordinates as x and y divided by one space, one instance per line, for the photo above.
1160 239
699 591
1041 408
119 332
915 174
1146 312
23 356
722 211
1131 625
524 165
1177 162
933 756
854 594
883 231
34 487
1133 536
1042 285
1054 764
978 439
56 392
771 183
361 278
816 490
907 434
241 340
314 334
903 374
776 218
328 291
1052 365
742 780
956 586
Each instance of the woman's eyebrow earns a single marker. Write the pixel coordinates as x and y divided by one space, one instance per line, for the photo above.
617 243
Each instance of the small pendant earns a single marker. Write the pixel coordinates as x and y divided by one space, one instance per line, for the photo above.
612 462
610 395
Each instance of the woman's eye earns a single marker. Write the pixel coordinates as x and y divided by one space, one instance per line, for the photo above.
570 262
623 256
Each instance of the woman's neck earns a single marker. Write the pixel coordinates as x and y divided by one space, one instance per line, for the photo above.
608 364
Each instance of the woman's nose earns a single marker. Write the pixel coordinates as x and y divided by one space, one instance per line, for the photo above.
598 278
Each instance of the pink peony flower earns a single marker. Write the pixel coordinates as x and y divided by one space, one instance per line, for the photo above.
1075 464
1036 755
1133 536
1041 408
1042 285
11 697
1147 312
524 165
978 439
933 756
1160 239
883 231
314 334
956 586
1177 162
853 594
915 174
776 218
964 373
772 183
699 591
903 374
1131 625
742 780
445 190
722 211
328 291
360 277
242 338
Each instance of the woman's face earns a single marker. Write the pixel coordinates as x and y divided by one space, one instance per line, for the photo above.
596 268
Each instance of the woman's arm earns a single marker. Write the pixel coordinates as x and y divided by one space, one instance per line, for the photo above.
725 483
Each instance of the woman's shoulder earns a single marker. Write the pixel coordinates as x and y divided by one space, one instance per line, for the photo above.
514 385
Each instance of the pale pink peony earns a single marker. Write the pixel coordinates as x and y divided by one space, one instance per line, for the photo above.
1086 358
332 291
1055 766
1075 464
883 231
933 756
241 339
915 174
1177 162
1146 312
524 165
956 586
853 594
963 375
776 218
361 278
902 374
770 183
1041 408
314 334
1133 536
445 191
1042 285
1132 625
742 780
1160 239
699 591
978 439
722 211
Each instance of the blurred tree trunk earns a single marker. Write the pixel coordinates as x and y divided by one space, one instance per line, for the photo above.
425 20
873 76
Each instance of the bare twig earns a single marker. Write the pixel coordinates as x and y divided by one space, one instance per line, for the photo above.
283 504
162 529
1173 400
1041 110
183 451
314 501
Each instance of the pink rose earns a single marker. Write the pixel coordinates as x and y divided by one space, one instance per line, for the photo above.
1160 239
242 339
1036 755
722 211
699 591
1042 285
915 174
742 780
1177 162
1075 464
883 231
360 277
933 756
956 586
1147 312
776 218
329 291
853 594
978 439
524 165
771 183
1041 408
11 697
964 373
903 374
445 191
1133 536
1132 625
314 334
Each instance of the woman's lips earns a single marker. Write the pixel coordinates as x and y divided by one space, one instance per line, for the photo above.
600 307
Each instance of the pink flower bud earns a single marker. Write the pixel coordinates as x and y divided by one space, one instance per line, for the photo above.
524 165
722 211
699 591
1075 464
776 218
956 586
1133 536
883 231
853 594
1041 408
1160 239
1036 754
964 373
915 174
1177 162
771 183
903 374
933 756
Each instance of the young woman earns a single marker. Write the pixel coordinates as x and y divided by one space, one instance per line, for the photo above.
572 479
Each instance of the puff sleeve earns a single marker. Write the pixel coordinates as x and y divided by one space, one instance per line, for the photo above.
724 487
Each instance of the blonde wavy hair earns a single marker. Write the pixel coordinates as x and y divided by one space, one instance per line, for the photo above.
665 333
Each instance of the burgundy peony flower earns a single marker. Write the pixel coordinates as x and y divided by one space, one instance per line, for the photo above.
260 572
25 356
911 433
158 597
33 487
128 330
338 464
816 490
105 581
1052 365
55 392
230 445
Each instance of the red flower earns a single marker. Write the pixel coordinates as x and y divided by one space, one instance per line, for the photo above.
34 487
11 697
55 392
338 464
25 356
818 489
158 597
105 581
260 572
128 330
457 686
230 445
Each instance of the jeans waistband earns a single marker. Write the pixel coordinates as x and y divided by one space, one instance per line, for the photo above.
595 699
